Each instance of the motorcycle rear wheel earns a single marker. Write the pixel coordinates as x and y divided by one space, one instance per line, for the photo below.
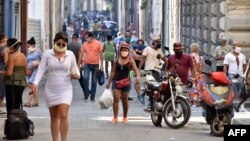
218 122
177 119
156 119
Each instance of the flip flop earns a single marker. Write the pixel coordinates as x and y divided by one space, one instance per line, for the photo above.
34 105
26 105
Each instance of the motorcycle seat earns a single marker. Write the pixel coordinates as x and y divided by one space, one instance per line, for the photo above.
153 85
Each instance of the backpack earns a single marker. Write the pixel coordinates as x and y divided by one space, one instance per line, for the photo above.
18 126
109 52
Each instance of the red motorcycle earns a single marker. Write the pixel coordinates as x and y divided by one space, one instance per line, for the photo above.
217 101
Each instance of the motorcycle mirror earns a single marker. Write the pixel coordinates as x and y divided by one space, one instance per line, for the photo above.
166 48
208 62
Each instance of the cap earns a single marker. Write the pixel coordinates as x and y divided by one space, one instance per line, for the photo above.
178 45
124 45
75 35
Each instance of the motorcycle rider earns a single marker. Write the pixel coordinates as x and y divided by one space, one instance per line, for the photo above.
234 67
150 61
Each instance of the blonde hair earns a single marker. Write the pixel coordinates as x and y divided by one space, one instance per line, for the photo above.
194 47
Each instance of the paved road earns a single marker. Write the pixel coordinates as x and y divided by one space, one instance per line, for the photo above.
89 122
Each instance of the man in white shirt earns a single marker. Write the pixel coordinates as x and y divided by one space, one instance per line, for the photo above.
235 66
151 62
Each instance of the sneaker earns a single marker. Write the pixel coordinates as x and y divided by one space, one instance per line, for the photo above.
148 109
125 120
85 99
92 100
114 120
129 98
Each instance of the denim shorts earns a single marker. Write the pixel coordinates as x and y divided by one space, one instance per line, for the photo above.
125 89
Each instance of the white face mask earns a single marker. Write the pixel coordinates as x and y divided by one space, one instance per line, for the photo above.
237 49
31 49
88 39
59 49
124 53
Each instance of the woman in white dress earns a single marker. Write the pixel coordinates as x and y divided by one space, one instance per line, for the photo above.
59 65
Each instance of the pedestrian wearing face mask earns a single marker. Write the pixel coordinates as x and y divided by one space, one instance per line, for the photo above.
59 66
150 62
34 57
121 70
180 63
90 59
3 62
15 75
234 68
219 54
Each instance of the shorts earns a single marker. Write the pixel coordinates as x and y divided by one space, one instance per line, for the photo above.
125 89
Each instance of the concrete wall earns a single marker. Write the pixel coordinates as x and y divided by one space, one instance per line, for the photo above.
205 21
237 22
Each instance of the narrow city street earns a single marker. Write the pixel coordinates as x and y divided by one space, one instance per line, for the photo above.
183 42
88 122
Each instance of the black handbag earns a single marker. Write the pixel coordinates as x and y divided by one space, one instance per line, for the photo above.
101 77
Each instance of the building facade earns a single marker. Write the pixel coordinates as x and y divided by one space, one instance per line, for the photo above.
206 21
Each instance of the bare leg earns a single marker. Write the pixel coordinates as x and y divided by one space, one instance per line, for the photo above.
125 103
117 95
36 97
54 123
30 97
63 116
106 68
137 88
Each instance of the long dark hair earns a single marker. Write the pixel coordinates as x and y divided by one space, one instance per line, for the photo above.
13 44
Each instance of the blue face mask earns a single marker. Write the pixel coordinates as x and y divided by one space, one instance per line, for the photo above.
140 47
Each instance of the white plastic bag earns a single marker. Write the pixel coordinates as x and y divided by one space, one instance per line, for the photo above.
106 99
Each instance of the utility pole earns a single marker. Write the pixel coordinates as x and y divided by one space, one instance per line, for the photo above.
24 21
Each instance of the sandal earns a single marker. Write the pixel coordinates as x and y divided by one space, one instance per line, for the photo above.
34 105
114 120
26 105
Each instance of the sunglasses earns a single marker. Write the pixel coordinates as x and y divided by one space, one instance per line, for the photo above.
61 44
